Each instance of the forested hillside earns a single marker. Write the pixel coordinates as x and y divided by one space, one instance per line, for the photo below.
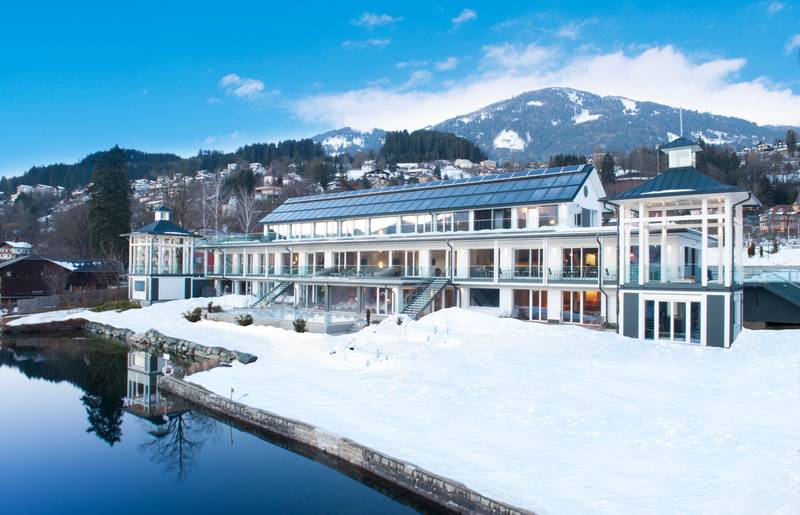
145 164
425 145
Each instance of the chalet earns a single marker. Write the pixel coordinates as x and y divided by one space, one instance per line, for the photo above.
14 249
33 276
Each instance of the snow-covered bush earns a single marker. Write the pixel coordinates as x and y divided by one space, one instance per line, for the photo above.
300 325
194 315
245 319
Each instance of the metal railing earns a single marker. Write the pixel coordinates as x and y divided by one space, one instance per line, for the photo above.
528 273
574 273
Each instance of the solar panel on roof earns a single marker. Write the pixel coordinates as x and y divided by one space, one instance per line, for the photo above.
530 186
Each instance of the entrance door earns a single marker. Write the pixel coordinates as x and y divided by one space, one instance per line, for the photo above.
672 320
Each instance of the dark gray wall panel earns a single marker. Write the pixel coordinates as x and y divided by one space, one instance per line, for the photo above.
630 305
715 321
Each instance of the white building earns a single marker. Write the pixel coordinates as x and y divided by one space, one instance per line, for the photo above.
527 244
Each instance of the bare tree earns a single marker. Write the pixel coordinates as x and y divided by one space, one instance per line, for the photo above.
70 234
246 209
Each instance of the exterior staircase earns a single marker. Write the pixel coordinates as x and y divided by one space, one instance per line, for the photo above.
275 292
782 306
423 294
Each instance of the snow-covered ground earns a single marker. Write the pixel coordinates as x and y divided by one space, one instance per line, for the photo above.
784 257
558 419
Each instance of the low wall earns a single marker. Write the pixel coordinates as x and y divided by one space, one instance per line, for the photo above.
445 492
153 340
288 324
78 299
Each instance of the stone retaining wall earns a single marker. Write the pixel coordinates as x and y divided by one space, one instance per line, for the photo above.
153 340
445 492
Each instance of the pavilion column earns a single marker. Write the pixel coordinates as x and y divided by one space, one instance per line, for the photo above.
738 240
131 252
623 259
721 254
728 242
496 253
664 255
642 245
704 243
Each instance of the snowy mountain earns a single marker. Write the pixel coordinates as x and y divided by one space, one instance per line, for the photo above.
538 124
349 140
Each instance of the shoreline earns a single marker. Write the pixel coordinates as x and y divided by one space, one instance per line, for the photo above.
445 493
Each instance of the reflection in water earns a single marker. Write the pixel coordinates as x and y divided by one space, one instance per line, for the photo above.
182 453
177 444
97 368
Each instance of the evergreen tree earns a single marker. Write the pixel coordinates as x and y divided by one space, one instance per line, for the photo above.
110 206
791 140
607 169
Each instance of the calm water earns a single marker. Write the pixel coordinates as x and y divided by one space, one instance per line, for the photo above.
83 431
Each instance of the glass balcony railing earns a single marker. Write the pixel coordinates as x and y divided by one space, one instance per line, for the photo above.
682 274
481 272
526 273
574 273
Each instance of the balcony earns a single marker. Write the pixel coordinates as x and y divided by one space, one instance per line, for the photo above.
571 274
522 273
689 274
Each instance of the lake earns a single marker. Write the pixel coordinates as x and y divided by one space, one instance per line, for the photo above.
84 431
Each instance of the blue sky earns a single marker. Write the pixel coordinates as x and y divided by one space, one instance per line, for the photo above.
82 76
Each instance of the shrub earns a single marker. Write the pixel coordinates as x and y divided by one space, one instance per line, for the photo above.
115 305
300 325
245 319
194 315
399 321
214 309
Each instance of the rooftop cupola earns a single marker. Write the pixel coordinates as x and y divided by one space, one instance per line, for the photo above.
163 213
681 152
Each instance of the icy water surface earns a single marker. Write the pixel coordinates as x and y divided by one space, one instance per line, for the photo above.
83 430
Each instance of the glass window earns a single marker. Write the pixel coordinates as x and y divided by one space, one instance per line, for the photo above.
347 227
408 223
383 226
461 221
320 230
521 307
522 217
695 322
444 222
591 307
501 218
138 285
424 223
483 219
649 319
332 228
679 322
548 216
360 227
484 297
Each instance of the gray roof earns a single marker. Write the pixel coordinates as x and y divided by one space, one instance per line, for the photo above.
676 182
162 227
679 143
543 186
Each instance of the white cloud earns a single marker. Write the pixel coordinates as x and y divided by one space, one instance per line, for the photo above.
365 43
793 43
513 57
372 20
660 74
411 64
418 78
775 7
448 64
464 16
241 87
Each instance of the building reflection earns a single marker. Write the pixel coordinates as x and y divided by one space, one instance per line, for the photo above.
142 397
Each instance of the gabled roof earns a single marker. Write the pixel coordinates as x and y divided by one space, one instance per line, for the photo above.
73 265
680 143
17 244
676 182
530 187
162 227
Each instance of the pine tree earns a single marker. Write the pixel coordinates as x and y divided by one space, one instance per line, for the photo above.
791 140
110 206
607 169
